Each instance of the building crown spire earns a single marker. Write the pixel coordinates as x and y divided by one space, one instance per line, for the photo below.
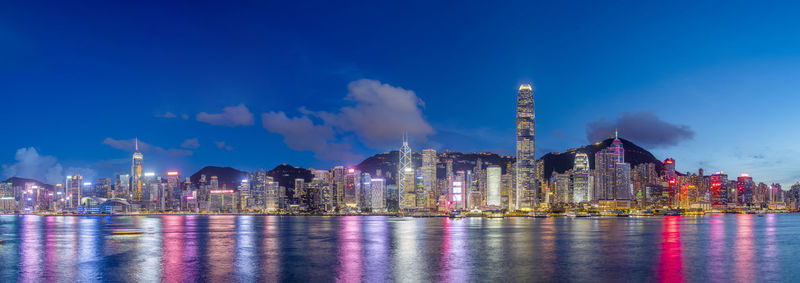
137 143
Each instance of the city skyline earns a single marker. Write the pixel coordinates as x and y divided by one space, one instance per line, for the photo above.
674 99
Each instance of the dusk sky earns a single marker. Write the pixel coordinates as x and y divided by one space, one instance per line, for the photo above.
713 84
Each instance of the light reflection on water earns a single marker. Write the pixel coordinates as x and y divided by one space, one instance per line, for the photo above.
714 248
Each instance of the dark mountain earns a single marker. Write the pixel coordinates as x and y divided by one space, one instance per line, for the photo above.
558 162
17 181
286 174
387 162
563 161
229 178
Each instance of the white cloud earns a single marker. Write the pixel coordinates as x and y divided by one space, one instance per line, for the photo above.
379 115
191 143
222 145
45 168
298 133
231 116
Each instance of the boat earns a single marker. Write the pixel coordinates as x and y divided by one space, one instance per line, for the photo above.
622 214
495 215
457 214
539 214
582 214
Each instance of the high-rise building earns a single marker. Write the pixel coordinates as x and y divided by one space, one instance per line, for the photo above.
338 187
102 188
429 171
718 191
351 183
580 178
526 153
669 169
493 183
745 189
622 191
457 191
562 187
74 188
616 146
377 188
137 175
604 175
406 178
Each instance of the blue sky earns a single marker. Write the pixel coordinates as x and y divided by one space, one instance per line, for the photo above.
711 84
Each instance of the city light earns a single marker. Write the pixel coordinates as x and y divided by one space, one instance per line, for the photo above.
172 173
149 174
221 191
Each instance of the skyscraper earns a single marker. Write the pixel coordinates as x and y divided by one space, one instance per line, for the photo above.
526 157
616 146
580 178
137 174
605 173
405 178
745 189
493 173
429 170
377 195
74 186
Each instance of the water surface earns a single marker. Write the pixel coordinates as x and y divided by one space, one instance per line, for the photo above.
712 248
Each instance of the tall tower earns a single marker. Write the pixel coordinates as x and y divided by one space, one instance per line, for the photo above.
619 152
526 158
137 174
405 177
580 178
429 171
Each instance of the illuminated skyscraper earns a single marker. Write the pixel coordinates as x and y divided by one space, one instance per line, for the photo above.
377 201
429 170
605 173
493 174
74 186
745 189
405 177
136 174
616 146
719 183
351 183
580 178
526 154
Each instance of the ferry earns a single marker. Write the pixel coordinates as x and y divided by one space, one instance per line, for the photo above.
621 213
495 215
539 214
582 214
457 214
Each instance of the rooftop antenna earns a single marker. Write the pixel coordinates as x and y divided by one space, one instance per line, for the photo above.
616 133
137 143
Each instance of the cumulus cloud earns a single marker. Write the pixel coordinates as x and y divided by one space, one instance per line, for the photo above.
191 143
381 114
299 133
129 145
167 115
643 128
378 115
45 168
231 116
222 145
